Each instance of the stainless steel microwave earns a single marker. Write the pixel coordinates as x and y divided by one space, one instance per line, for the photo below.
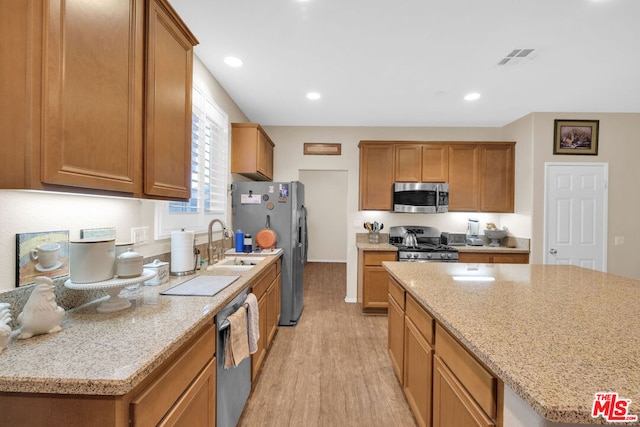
420 197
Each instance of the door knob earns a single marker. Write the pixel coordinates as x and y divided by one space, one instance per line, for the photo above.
553 251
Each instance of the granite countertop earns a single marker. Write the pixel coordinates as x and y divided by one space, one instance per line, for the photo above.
111 353
555 334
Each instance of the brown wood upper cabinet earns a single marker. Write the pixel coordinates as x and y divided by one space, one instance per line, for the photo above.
74 110
251 151
167 149
481 177
421 163
480 174
376 176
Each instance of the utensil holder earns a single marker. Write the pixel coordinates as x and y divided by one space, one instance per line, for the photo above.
374 237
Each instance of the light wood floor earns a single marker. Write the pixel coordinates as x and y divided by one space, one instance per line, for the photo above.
332 369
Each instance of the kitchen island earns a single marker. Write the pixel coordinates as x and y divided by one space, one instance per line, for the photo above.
101 364
553 335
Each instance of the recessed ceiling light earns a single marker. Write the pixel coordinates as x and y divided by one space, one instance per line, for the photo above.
232 61
313 95
472 96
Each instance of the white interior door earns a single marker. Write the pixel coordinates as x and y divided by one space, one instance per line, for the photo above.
576 214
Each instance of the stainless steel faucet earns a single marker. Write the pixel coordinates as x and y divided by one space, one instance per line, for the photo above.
211 249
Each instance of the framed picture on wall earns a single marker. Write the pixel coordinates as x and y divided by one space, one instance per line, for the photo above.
576 137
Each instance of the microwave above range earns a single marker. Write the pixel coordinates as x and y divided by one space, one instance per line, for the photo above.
420 197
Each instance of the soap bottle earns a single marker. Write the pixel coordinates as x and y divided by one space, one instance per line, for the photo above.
239 241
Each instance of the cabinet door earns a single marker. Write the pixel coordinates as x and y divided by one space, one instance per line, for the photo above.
452 405
395 342
197 407
258 357
408 163
463 177
376 176
265 156
168 104
92 95
435 163
418 362
375 287
497 178
272 312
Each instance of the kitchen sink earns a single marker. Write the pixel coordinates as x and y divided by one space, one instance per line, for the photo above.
236 263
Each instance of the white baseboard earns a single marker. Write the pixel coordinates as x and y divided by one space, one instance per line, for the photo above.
350 300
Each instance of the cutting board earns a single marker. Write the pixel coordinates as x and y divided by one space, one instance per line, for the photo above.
204 286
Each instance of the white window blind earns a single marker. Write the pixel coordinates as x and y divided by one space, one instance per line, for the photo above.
209 172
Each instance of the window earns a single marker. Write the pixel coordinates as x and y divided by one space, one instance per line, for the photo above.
209 172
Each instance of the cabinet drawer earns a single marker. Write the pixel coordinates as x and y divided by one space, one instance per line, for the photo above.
153 403
420 318
260 285
479 382
397 292
376 257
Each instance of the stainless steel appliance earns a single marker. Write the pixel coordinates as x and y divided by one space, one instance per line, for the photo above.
419 243
283 202
233 385
453 239
420 197
473 235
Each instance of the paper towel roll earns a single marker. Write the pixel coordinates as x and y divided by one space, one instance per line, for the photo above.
182 257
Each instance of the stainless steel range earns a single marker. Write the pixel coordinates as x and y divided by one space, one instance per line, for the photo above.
418 243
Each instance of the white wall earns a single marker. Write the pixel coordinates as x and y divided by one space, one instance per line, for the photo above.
30 211
290 159
326 203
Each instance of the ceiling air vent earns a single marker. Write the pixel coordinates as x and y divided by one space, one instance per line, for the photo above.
516 56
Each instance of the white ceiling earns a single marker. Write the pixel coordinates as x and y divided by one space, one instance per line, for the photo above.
410 62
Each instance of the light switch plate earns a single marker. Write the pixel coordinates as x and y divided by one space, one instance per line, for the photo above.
140 234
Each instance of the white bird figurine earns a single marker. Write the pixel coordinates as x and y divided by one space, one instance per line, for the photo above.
5 329
41 314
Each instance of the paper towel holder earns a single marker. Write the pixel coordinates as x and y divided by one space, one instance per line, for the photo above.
195 262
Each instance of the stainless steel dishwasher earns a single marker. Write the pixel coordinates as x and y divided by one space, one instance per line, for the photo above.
233 385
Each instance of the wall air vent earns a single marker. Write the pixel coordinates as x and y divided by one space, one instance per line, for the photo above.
516 56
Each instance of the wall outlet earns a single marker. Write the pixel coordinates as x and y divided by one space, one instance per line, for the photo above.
139 234
619 240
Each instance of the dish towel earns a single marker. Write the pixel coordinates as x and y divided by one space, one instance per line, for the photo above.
253 322
236 347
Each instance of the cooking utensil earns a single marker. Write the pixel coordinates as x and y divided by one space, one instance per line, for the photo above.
267 238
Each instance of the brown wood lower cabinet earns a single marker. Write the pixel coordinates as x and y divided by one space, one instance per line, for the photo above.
197 406
418 356
374 279
445 385
267 290
494 258
395 344
453 406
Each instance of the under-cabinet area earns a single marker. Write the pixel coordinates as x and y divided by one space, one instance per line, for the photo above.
481 175
105 99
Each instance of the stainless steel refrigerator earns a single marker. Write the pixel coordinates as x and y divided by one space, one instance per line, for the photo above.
283 203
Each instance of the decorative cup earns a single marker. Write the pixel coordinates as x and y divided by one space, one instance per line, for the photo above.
46 254
374 237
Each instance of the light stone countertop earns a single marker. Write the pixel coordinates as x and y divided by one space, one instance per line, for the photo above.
555 334
110 353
